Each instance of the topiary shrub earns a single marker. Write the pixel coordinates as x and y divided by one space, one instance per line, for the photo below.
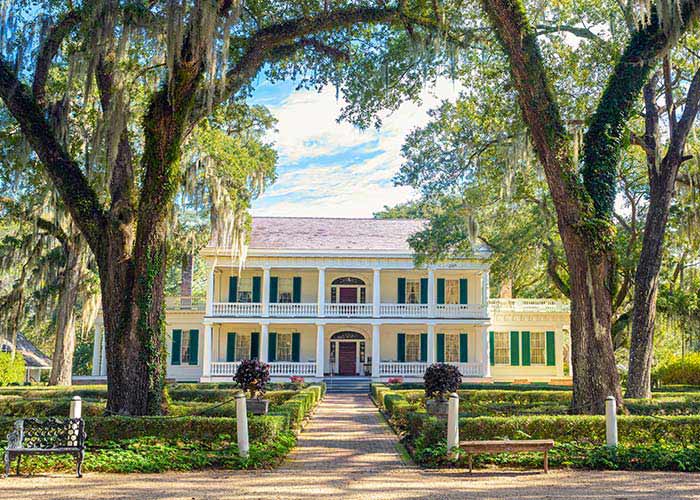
252 376
441 379
683 371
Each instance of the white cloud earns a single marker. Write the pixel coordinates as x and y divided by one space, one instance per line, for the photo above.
328 179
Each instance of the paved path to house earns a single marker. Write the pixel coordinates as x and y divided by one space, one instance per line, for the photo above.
347 452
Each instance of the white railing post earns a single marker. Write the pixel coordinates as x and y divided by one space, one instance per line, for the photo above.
611 421
320 355
453 422
242 425
76 407
321 292
376 351
376 293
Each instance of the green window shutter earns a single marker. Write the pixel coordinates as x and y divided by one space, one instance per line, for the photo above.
273 289
424 347
440 354
463 291
514 349
255 345
441 290
463 348
424 290
525 341
233 289
296 346
256 288
296 289
194 347
401 347
549 342
492 350
401 291
272 347
177 342
231 347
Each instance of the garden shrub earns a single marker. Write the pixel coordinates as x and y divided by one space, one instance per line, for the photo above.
440 380
11 369
683 371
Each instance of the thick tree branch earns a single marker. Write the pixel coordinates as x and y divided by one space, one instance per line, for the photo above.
579 31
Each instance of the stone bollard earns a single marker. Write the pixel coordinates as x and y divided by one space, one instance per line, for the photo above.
611 421
76 407
453 422
242 425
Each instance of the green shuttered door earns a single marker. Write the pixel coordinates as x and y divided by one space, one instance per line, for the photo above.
256 288
230 347
194 347
514 349
424 347
492 350
440 290
233 289
463 291
440 348
424 290
401 291
177 342
551 359
255 345
463 347
401 347
296 346
273 289
272 347
296 289
525 341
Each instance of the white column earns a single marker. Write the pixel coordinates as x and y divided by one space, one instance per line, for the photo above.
376 352
321 292
266 292
559 350
210 291
206 357
431 293
264 338
96 351
376 293
103 358
485 293
431 343
320 354
485 350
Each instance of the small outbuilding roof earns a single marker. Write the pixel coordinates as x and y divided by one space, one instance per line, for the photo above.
33 357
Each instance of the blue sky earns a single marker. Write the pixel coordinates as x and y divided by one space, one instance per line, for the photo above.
333 169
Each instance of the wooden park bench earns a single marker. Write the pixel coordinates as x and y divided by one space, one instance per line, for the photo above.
49 436
507 445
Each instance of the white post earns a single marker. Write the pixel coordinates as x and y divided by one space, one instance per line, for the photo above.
376 293
266 292
485 292
431 343
320 355
264 338
431 295
321 292
485 352
206 358
103 357
453 422
242 425
376 351
96 351
76 407
611 421
559 345
210 291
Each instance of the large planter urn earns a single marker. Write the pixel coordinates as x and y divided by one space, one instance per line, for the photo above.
257 406
437 407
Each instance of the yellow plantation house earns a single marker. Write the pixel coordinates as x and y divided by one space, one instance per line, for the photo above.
320 297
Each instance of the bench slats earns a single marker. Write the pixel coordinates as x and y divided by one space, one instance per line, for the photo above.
507 445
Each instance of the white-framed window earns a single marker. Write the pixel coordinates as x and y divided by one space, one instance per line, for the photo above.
285 289
537 348
242 346
452 348
185 347
412 291
284 347
451 291
412 347
245 290
501 348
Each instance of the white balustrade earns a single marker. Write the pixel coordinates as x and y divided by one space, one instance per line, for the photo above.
469 369
404 310
528 305
237 309
291 310
394 369
348 310
288 368
460 310
227 369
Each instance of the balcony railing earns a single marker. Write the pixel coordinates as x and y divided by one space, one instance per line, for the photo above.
528 305
469 369
460 310
183 303
401 369
237 309
290 310
348 310
404 310
277 369
224 369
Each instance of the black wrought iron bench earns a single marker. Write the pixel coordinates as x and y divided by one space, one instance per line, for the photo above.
46 436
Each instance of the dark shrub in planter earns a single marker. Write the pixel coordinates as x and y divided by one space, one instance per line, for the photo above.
252 376
440 380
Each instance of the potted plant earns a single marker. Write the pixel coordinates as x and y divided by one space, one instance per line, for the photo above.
440 381
252 376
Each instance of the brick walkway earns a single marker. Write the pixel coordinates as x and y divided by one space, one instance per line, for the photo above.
348 453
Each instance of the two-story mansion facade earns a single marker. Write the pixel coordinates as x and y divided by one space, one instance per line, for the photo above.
317 297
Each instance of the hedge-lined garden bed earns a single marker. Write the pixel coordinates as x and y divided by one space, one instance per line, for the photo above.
199 432
647 441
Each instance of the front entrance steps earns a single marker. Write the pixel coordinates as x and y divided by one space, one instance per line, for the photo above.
347 385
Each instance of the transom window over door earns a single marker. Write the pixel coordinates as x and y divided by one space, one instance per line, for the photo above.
537 348
284 347
349 290
451 291
412 291
451 348
412 347
501 348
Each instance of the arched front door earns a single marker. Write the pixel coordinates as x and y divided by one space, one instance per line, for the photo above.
348 348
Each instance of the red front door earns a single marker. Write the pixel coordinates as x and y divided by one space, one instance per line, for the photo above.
347 358
348 296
